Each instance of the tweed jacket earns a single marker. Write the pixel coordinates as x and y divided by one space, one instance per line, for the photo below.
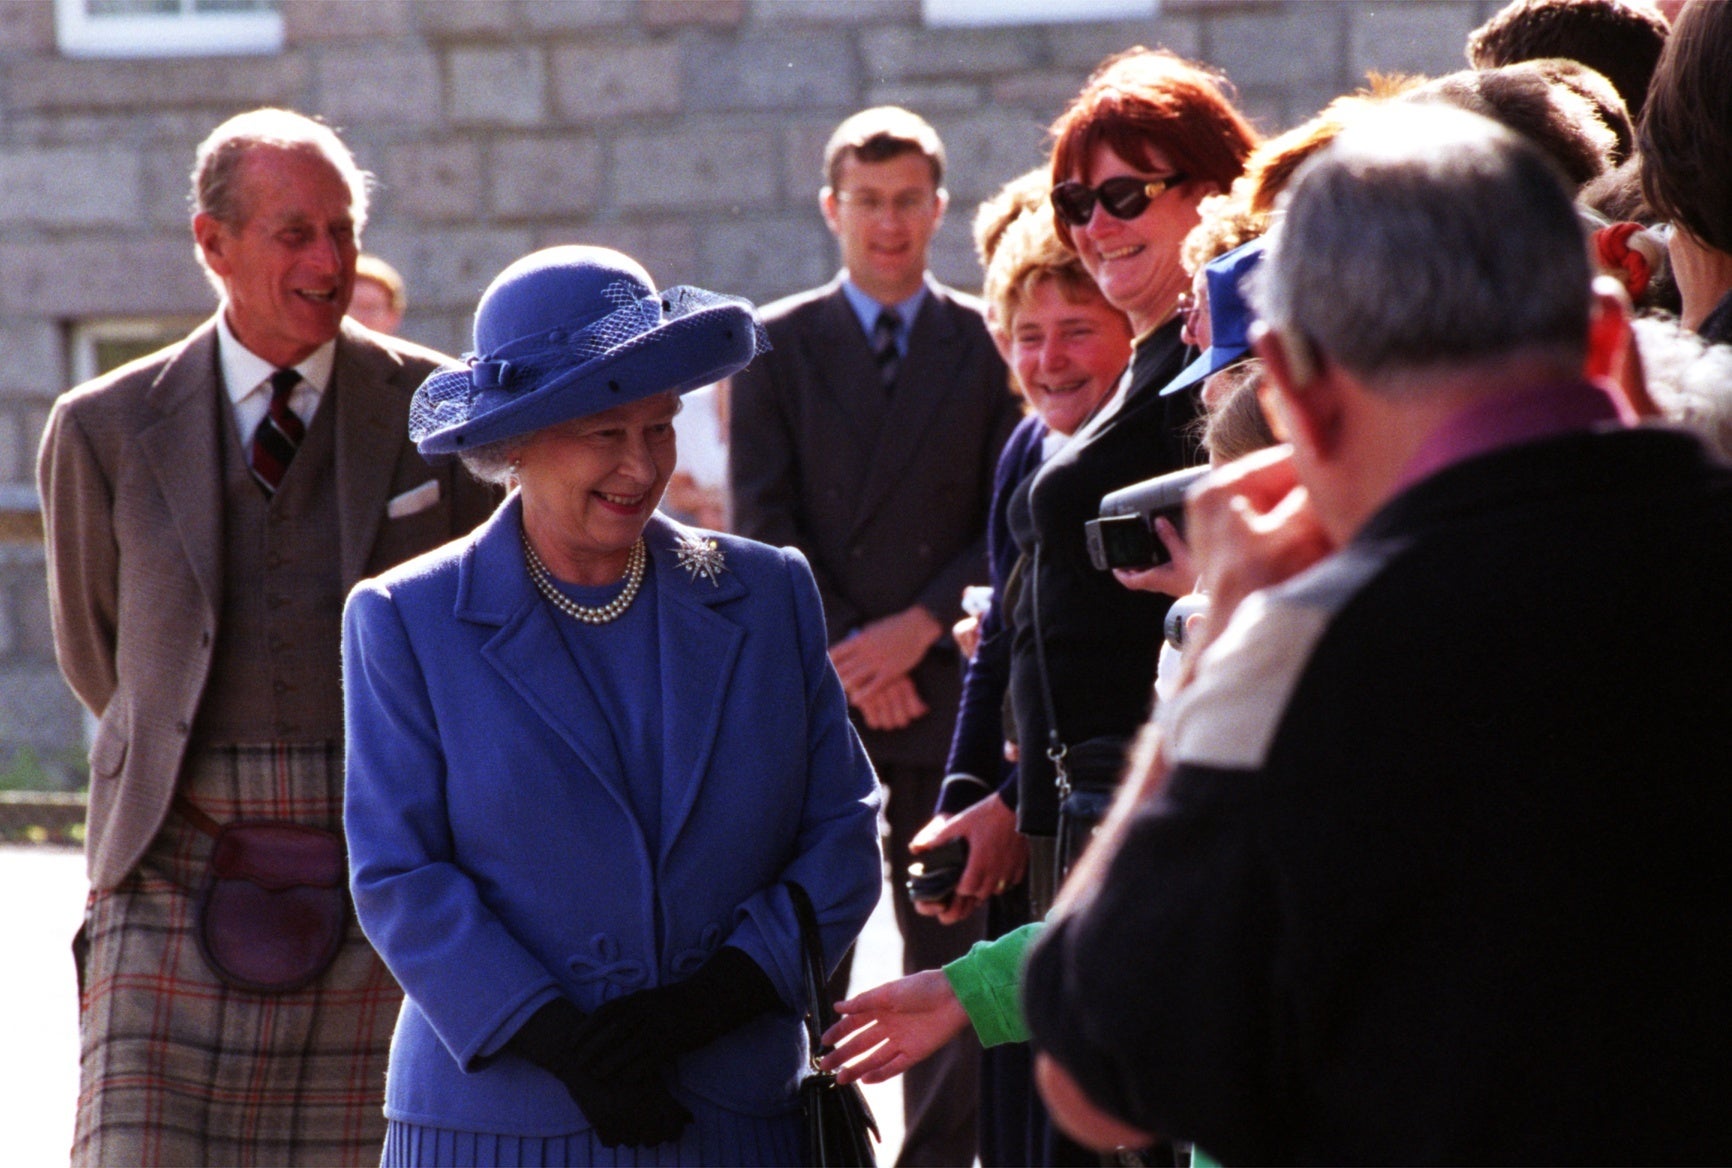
130 474
496 858
886 494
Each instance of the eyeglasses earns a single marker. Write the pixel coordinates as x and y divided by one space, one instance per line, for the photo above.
903 205
1123 197
1189 307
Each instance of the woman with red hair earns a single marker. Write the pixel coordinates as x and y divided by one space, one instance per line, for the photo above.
1149 136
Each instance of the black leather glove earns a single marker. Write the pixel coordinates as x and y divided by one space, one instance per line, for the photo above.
636 1035
635 1110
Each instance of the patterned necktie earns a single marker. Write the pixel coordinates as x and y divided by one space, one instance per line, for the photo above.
279 433
884 346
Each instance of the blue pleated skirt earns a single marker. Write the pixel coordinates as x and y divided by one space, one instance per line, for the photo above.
715 1137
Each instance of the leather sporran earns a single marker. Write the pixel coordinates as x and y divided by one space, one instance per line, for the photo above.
274 908
1087 776
839 1124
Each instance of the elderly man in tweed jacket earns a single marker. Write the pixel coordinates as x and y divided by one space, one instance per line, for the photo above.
207 509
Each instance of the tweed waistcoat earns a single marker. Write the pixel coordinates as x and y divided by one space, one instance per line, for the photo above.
276 674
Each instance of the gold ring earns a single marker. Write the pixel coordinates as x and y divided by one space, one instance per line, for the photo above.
1001 888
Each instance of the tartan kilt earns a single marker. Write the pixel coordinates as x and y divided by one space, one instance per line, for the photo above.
177 1068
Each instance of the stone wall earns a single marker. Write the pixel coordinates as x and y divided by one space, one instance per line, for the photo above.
685 132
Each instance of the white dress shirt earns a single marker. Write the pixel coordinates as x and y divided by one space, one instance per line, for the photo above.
247 379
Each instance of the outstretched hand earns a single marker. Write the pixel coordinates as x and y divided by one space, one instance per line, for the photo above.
886 1030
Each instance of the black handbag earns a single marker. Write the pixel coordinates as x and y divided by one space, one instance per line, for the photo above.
1086 774
839 1125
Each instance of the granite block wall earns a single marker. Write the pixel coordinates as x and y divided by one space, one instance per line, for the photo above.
686 132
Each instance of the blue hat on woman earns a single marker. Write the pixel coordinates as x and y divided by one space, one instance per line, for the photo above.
1230 316
571 331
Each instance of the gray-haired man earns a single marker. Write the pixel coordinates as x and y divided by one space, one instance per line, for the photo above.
207 508
1430 860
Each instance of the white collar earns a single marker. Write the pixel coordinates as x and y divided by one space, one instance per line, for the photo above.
244 370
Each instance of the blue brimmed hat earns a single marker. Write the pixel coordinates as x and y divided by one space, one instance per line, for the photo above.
1230 316
571 331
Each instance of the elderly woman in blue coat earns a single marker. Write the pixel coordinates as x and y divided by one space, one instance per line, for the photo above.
589 749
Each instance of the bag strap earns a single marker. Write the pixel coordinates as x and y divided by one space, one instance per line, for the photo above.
820 1014
204 823
1055 747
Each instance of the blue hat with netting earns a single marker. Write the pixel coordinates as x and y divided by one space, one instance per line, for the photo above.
570 331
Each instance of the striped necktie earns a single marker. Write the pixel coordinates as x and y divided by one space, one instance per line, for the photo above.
884 332
279 434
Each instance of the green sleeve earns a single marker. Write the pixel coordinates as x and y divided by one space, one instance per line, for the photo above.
986 983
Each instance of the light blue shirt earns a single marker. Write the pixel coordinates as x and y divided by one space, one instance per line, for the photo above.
867 309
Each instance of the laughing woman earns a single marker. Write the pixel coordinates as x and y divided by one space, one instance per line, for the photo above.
589 749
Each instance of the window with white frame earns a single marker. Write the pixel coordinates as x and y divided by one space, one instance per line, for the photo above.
167 28
108 343
967 13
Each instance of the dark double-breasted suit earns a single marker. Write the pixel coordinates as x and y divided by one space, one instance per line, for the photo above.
887 494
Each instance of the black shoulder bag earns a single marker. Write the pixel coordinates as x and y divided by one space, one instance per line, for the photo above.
837 1118
1086 774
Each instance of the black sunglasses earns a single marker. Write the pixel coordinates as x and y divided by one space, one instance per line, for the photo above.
1124 197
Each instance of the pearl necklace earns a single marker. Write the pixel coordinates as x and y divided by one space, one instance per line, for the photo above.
599 614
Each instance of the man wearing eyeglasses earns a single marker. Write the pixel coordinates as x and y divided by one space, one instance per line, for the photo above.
867 438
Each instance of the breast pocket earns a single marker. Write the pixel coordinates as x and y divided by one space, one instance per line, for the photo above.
416 520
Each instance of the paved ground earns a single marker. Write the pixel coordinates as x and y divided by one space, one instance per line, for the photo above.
41 901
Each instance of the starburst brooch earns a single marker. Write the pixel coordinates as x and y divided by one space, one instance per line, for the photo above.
701 558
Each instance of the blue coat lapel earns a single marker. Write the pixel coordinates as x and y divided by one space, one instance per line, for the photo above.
494 589
699 649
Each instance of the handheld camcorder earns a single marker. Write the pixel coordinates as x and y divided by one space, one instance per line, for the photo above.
1124 536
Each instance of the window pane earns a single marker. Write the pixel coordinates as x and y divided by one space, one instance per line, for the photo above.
177 7
209 7
167 28
133 7
112 354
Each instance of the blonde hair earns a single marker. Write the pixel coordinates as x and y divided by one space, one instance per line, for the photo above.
1242 214
1013 200
1029 251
